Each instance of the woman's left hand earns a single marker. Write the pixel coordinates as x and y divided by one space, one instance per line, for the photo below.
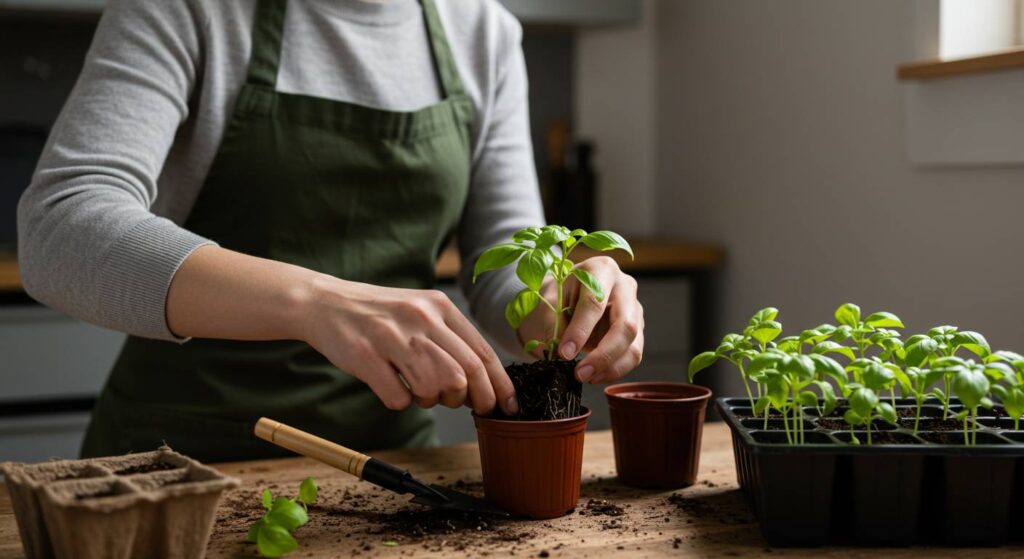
610 331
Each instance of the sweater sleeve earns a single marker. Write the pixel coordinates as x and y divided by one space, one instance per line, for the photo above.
88 243
504 196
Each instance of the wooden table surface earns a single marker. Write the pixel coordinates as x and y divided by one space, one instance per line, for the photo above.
651 256
352 518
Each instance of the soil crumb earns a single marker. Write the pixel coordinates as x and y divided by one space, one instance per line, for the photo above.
601 507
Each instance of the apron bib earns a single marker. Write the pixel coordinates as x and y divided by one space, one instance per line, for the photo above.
355 192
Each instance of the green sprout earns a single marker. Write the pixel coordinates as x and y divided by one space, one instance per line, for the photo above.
1010 390
943 341
543 251
862 396
916 381
272 533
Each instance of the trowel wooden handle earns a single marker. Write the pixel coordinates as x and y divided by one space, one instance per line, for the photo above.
311 446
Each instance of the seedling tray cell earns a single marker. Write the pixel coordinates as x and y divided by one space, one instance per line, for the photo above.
904 489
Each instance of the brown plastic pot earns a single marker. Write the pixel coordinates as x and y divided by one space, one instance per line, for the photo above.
656 429
532 468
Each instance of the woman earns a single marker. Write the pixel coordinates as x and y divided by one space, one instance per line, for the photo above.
312 157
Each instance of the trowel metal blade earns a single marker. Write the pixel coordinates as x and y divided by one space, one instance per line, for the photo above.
459 501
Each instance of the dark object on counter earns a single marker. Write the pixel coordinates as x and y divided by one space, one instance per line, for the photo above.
20 147
370 469
152 504
656 428
921 490
574 189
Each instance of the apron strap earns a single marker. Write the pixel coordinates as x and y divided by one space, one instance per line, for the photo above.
267 30
444 61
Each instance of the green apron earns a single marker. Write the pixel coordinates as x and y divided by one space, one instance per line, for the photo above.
355 192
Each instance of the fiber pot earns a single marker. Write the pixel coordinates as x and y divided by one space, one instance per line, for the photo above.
656 428
532 468
152 504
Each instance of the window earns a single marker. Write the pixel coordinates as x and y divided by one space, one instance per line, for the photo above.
978 27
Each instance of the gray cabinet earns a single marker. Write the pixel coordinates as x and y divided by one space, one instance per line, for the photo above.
48 358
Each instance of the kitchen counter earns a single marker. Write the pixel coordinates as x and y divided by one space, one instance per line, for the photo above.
351 517
651 256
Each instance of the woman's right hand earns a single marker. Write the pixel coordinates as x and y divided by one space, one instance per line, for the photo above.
407 345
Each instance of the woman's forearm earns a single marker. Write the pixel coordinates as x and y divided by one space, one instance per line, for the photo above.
219 293
408 345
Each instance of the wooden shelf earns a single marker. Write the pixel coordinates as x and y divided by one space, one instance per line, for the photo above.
930 69
10 280
651 256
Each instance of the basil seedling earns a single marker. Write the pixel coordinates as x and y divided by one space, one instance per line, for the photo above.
1011 390
543 251
739 348
272 533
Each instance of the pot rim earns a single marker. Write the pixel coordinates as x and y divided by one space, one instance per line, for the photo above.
614 392
553 422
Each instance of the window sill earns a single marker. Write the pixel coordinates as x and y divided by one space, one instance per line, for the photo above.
930 69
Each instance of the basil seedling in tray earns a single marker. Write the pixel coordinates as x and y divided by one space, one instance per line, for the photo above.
793 373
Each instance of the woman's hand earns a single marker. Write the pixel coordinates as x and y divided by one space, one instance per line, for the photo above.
407 345
611 331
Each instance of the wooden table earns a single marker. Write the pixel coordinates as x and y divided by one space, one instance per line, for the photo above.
352 518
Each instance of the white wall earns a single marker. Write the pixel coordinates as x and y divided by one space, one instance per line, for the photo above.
614 105
780 133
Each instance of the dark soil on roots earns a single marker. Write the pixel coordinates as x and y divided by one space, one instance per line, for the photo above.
546 390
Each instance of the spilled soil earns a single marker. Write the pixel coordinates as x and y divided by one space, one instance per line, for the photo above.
362 520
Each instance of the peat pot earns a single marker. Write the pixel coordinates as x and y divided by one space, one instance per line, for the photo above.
532 468
656 428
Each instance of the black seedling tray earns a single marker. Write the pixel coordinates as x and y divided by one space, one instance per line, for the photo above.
828 491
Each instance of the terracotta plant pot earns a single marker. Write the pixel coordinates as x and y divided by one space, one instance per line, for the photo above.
532 468
656 429
153 504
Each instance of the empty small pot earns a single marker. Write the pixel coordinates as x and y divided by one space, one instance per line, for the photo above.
656 429
532 468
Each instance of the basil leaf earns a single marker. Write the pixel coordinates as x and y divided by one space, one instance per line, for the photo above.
267 498
308 491
274 541
522 305
496 257
702 361
848 315
766 331
287 513
973 342
533 266
883 320
590 282
970 386
254 530
606 240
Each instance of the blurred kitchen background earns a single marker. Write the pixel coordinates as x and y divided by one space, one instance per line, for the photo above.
759 153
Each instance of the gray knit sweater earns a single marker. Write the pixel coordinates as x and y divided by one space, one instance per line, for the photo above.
100 234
